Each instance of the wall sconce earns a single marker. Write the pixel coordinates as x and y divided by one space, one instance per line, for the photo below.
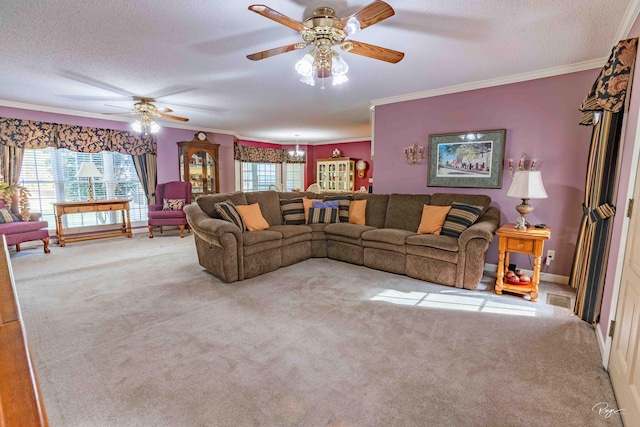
523 164
413 155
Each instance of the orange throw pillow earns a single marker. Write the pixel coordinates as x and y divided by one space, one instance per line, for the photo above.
433 218
307 203
357 209
252 217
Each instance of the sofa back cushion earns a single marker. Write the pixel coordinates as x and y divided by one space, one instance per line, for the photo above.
208 202
447 199
405 211
376 208
269 202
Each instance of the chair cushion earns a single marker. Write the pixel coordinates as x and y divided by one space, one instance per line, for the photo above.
172 204
392 236
228 212
7 216
459 218
292 211
22 227
165 214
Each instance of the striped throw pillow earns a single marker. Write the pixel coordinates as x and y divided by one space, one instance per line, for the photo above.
459 218
292 211
228 212
343 206
323 215
7 216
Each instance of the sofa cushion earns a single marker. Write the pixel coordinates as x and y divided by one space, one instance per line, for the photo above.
358 212
353 231
459 218
343 206
376 208
289 231
447 199
252 217
269 205
228 212
392 236
7 216
292 211
433 218
261 236
208 201
433 241
323 215
405 210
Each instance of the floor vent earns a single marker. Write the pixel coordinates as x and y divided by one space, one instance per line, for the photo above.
559 300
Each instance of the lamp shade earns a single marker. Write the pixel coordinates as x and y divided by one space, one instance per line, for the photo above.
527 185
88 170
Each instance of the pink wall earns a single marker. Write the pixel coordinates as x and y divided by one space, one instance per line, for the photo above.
355 150
167 139
541 118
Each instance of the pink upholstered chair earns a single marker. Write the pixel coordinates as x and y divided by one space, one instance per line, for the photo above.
24 231
166 210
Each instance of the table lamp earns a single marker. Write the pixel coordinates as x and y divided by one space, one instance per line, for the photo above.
527 184
89 170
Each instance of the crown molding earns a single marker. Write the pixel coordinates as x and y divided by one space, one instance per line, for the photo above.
516 78
629 18
55 110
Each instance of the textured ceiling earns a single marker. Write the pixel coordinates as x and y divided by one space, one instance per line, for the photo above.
191 56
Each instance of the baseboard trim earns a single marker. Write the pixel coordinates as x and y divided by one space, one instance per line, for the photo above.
602 344
547 277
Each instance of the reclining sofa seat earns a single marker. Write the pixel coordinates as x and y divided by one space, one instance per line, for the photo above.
387 242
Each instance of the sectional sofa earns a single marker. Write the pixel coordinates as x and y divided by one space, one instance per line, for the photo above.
387 241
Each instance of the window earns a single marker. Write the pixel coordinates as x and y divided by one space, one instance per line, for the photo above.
293 178
49 175
259 176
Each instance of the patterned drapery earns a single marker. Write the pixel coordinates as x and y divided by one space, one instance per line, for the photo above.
610 88
146 167
607 97
33 134
264 155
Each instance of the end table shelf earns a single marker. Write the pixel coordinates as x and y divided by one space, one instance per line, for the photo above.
529 241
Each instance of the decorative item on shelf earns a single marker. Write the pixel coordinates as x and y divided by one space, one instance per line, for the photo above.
89 170
336 154
527 184
414 155
523 164
297 154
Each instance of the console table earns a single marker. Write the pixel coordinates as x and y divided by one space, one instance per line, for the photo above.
63 208
529 241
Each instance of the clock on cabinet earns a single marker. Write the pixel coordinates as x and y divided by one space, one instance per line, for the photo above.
361 166
199 164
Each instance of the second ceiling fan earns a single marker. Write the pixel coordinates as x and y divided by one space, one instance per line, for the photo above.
324 30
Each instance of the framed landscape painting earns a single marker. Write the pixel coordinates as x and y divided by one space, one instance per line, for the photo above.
467 159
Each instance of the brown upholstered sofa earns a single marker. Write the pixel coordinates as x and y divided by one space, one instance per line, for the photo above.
387 242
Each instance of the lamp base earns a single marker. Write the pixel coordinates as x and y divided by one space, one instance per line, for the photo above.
523 209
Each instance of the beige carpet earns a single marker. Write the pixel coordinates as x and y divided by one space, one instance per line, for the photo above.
133 332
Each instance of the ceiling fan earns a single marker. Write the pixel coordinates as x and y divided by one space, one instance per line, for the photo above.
147 111
324 30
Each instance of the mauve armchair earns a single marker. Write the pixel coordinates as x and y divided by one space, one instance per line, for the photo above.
168 210
25 231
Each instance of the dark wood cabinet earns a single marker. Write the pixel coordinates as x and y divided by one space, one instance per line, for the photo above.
199 164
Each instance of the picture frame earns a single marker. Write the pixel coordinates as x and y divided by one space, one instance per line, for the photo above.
467 159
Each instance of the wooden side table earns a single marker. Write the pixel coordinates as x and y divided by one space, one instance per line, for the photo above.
529 241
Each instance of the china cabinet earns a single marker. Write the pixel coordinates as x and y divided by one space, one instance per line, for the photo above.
335 174
199 164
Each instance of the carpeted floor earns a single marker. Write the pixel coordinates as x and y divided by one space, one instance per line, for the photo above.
133 332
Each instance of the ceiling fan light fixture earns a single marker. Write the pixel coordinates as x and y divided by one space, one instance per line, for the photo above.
339 66
137 126
308 80
338 79
298 153
352 26
305 66
154 127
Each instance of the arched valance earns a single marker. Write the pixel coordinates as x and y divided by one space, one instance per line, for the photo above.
245 153
37 135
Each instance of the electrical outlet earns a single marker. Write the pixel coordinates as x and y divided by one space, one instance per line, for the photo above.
551 254
547 261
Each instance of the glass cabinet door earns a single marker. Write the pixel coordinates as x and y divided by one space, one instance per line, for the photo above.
199 166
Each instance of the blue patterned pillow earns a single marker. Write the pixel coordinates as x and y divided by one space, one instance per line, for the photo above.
7 216
227 211
330 204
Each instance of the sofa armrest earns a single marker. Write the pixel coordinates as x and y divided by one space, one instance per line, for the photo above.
485 228
210 229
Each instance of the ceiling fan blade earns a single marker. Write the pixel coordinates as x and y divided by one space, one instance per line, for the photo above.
372 51
164 110
117 106
170 117
274 15
120 114
276 51
367 16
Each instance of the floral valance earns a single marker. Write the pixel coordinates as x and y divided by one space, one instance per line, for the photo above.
610 88
264 155
83 139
